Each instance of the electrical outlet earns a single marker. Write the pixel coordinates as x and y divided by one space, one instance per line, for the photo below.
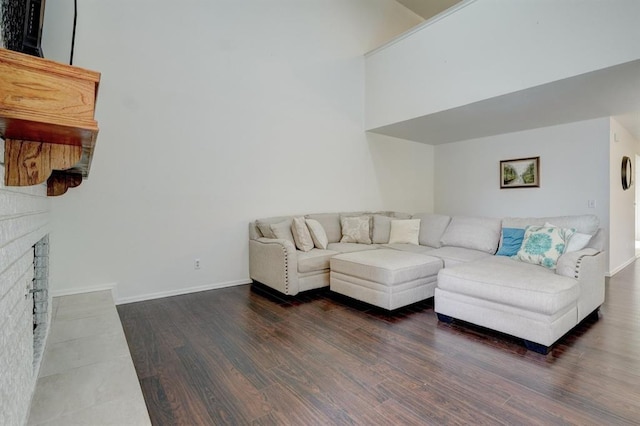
591 204
196 264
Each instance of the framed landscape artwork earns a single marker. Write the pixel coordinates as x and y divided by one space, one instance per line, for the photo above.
520 173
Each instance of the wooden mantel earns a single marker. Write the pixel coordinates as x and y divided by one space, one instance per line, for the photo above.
47 121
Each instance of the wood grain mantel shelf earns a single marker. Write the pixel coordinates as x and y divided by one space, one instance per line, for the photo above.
47 121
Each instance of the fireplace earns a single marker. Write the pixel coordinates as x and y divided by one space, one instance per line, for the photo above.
40 290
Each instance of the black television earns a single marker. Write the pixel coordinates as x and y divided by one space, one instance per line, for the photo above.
21 23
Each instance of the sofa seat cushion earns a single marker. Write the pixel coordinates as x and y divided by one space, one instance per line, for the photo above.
385 266
407 247
510 282
314 260
455 255
350 247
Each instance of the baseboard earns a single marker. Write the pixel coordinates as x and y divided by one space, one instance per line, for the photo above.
621 267
169 293
78 290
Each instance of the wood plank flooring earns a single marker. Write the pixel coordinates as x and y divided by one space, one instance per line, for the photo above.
245 355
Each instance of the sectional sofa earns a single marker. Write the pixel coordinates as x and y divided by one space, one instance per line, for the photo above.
533 278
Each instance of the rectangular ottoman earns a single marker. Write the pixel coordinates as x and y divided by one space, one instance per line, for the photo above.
386 278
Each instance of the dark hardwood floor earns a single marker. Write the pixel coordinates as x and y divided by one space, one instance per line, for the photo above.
244 355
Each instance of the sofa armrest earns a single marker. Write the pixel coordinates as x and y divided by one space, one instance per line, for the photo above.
588 267
274 262
569 264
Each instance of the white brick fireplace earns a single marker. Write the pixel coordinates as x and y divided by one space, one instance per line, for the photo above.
24 222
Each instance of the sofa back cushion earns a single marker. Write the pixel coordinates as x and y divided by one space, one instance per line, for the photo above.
478 233
381 229
585 224
432 227
331 224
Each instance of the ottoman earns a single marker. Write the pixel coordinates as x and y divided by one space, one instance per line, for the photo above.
386 278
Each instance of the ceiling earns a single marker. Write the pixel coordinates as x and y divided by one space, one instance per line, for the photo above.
613 91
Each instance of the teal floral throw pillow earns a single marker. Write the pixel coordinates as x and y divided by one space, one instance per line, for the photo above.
543 245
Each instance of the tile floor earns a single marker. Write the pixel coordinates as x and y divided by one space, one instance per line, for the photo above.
87 376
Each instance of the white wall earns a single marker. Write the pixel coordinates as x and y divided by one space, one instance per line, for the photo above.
622 206
574 168
490 48
404 171
213 114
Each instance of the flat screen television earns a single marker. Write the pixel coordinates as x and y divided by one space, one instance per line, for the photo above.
21 23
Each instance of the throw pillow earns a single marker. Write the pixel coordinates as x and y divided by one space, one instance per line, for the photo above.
318 235
543 245
265 229
301 234
577 242
282 231
511 241
404 231
355 229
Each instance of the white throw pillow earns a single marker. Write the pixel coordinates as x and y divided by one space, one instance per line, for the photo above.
577 242
355 229
301 234
319 236
404 231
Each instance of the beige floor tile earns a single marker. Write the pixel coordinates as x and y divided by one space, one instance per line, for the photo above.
119 412
63 356
70 329
60 395
93 299
87 376
85 305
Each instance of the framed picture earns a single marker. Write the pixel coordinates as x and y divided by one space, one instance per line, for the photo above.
520 173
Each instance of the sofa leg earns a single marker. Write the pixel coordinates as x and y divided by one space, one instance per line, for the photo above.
444 318
537 347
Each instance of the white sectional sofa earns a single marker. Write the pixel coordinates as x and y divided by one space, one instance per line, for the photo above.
528 296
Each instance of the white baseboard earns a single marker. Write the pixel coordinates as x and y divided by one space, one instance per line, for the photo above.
169 293
621 267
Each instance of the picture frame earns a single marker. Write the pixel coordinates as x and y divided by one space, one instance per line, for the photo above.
520 173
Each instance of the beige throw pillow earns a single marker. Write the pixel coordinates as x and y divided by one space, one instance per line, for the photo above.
265 229
355 229
282 230
404 231
318 235
301 234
